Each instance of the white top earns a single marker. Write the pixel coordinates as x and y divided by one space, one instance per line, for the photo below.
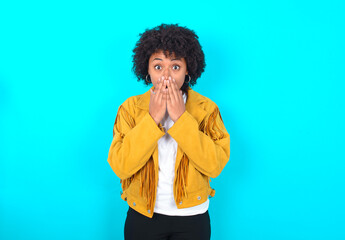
167 148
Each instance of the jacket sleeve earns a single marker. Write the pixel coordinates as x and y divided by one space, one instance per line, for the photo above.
132 143
208 152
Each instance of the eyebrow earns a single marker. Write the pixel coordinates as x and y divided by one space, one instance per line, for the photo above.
179 59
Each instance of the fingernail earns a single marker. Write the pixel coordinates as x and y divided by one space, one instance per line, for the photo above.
169 78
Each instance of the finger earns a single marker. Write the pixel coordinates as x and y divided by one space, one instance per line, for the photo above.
178 91
171 96
165 97
157 88
163 91
175 90
168 98
160 87
166 94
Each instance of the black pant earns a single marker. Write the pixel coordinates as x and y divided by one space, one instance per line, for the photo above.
138 226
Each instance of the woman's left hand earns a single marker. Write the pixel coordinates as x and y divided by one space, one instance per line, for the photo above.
175 102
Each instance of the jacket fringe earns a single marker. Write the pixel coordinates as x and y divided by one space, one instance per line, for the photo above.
129 119
147 173
210 126
182 179
147 186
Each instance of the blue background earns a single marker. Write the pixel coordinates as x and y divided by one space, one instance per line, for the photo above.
274 68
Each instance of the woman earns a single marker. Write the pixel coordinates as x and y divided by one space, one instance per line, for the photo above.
168 142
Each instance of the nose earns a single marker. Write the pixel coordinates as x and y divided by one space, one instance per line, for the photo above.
166 73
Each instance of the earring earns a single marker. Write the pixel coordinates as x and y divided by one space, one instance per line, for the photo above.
189 78
146 79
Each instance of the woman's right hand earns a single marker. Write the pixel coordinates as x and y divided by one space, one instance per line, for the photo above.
158 101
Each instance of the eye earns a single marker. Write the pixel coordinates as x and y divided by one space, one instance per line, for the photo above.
178 67
157 66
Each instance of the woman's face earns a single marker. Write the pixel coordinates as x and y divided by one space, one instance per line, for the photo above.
159 65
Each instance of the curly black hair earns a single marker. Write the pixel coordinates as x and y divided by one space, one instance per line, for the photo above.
171 38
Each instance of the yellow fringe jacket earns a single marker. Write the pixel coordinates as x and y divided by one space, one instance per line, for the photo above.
202 153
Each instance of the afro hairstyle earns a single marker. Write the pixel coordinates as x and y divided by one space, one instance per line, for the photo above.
171 38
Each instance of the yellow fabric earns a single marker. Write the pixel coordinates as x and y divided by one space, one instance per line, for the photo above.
202 153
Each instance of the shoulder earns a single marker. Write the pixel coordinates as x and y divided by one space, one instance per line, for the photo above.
130 101
212 109
129 105
205 102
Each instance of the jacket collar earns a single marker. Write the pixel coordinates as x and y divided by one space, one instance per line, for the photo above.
193 103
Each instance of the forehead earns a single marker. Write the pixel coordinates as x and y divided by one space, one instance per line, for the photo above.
160 54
